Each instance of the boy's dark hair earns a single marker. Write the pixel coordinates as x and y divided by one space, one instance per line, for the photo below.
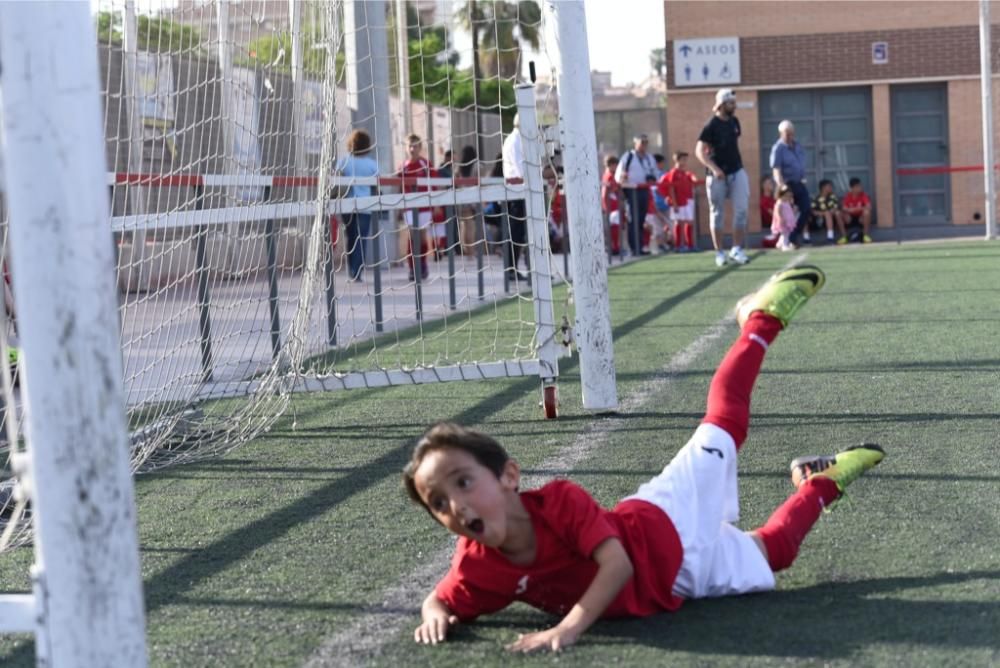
658 157
611 160
855 181
443 435
678 155
359 142
824 183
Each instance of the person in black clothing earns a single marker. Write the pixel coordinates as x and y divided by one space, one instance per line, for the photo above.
493 211
718 149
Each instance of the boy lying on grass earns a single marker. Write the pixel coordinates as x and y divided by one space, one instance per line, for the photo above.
556 549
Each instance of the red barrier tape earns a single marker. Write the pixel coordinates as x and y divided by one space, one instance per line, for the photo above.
191 180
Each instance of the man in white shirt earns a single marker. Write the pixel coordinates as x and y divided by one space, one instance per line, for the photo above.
636 173
513 168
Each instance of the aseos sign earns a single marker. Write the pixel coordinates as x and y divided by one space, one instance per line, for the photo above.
706 62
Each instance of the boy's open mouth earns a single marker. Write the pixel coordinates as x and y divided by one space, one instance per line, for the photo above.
475 526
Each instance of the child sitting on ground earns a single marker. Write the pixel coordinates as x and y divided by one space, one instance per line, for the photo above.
767 203
857 212
556 549
784 218
826 208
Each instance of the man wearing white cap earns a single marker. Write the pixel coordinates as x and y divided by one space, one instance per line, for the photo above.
718 149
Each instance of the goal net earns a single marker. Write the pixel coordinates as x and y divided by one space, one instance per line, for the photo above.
312 197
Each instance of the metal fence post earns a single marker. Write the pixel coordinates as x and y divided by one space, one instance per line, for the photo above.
272 280
204 296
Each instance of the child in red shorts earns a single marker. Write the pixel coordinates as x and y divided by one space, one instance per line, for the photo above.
556 549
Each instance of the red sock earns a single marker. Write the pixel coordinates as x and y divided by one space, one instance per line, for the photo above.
689 235
729 393
788 525
646 236
616 239
677 235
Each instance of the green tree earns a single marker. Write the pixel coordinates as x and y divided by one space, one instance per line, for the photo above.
276 51
152 33
435 80
502 27
658 62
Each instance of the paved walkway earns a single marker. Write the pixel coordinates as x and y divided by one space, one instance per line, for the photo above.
163 347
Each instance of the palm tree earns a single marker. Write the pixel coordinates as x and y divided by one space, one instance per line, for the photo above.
500 27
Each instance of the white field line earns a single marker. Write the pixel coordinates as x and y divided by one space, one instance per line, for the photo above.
359 642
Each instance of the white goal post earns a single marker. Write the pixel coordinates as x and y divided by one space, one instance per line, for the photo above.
288 197
87 606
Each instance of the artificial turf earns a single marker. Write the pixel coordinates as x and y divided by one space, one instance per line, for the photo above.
261 556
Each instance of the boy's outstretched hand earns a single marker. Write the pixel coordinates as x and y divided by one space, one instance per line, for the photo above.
437 619
554 639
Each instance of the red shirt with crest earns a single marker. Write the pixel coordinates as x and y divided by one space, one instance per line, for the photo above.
569 525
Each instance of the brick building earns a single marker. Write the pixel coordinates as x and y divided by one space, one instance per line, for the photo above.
872 87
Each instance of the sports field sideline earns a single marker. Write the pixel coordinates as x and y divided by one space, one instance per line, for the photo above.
301 548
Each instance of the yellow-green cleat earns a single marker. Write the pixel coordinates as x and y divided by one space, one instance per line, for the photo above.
783 295
842 468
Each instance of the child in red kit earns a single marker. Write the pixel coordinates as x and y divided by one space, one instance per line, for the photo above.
767 204
416 166
677 186
857 211
556 549
611 196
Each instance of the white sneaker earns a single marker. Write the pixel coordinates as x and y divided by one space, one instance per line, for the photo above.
829 235
738 256
720 258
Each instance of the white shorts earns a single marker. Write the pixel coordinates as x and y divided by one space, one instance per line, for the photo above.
423 218
441 230
683 213
698 491
614 218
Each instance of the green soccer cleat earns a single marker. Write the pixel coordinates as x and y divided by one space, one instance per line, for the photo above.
783 295
842 468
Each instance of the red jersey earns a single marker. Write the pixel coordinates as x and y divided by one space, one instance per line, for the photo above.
766 210
557 207
853 204
610 192
418 168
676 186
569 525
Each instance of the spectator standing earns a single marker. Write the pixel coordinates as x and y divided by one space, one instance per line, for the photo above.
357 225
788 166
718 149
513 168
493 214
661 208
416 166
611 194
677 187
784 218
469 167
636 171
767 202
